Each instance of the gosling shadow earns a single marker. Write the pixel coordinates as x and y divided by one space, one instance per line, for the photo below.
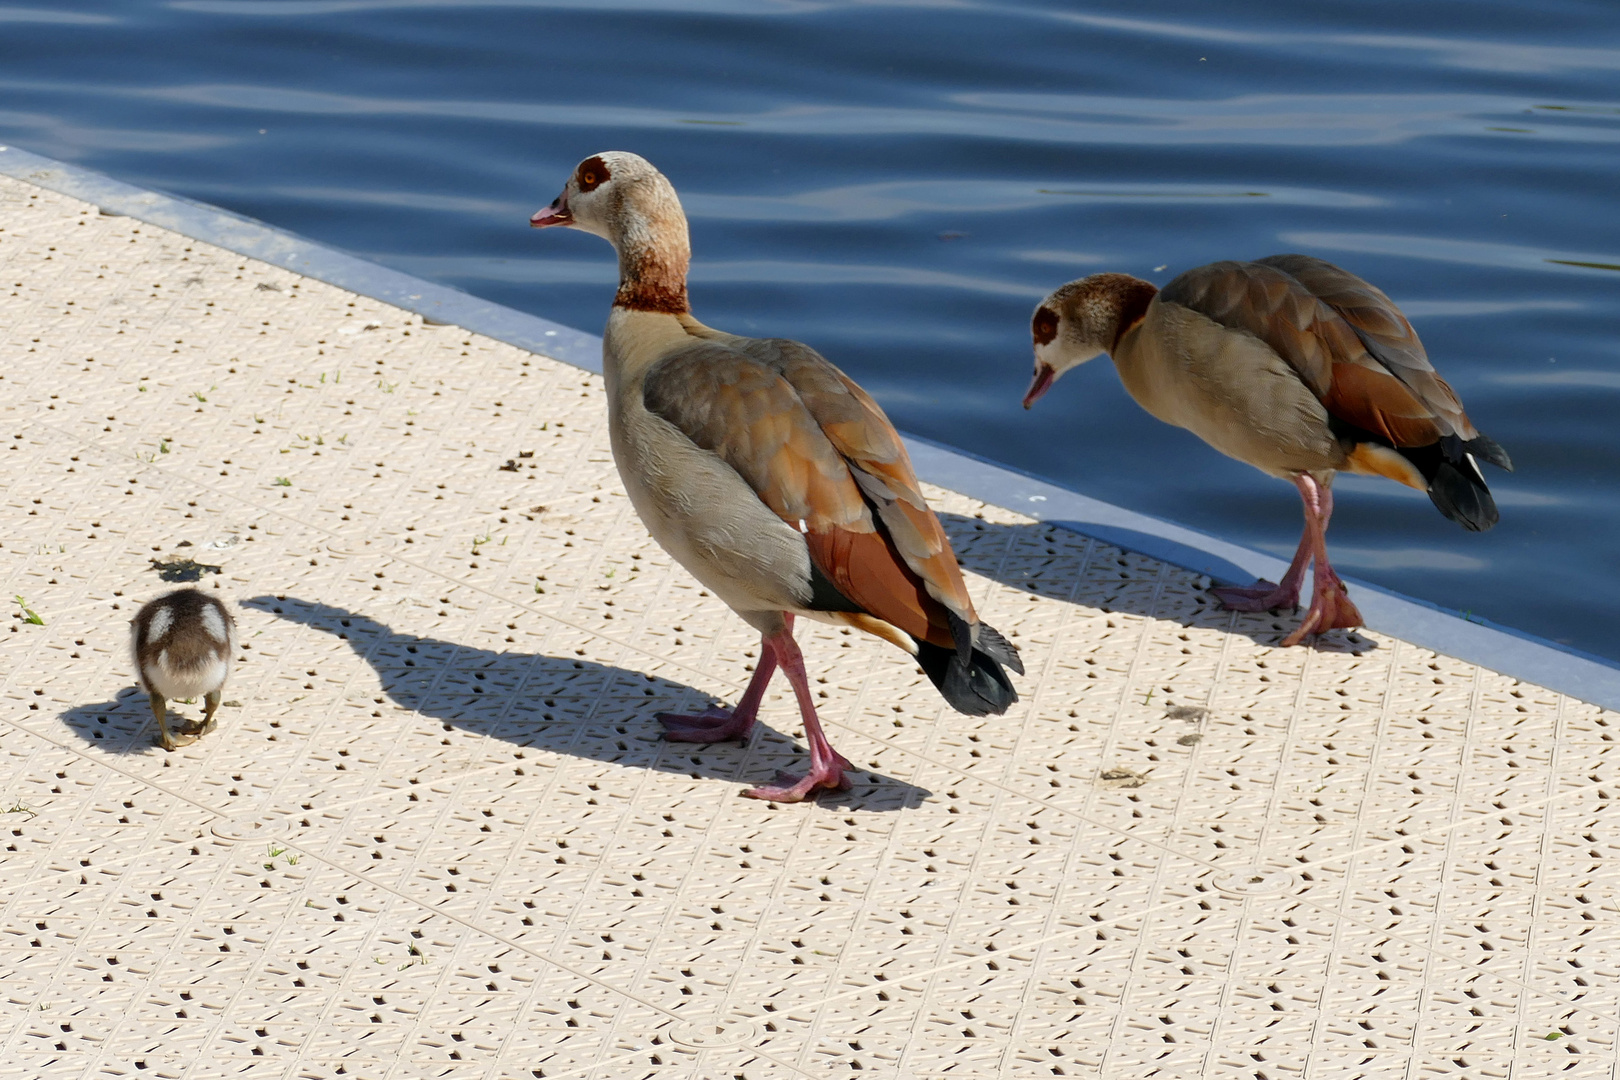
123 725
1045 558
566 705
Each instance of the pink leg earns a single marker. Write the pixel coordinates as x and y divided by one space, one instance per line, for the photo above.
1331 607
718 723
826 764
1266 595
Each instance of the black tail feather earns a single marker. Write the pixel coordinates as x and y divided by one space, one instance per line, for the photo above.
977 685
1488 449
996 647
1456 486
1458 491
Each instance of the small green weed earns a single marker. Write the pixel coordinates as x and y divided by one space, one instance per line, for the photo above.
29 615
283 481
274 852
415 956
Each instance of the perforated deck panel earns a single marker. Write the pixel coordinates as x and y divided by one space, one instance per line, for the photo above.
437 835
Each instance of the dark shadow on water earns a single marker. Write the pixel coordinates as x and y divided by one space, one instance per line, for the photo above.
565 705
1202 610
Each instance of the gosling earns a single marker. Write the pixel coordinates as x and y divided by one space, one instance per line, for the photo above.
182 643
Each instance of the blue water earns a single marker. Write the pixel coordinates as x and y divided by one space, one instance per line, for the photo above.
898 183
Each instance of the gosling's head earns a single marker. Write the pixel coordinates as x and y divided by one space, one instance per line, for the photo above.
1082 320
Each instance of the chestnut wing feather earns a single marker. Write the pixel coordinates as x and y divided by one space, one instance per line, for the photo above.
752 416
1342 355
877 460
1384 331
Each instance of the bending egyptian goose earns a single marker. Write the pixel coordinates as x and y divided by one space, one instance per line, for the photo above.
182 645
1295 366
773 478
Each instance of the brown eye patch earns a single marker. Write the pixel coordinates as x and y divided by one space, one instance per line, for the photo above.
593 172
1044 326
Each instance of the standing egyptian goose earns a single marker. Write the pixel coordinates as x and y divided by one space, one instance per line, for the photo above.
773 478
182 644
1295 366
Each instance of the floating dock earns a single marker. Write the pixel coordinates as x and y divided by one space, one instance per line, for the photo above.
437 835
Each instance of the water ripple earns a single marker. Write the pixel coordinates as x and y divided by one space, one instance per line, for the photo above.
897 183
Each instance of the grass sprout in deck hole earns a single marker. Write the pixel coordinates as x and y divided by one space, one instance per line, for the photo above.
417 956
201 397
283 481
274 852
29 615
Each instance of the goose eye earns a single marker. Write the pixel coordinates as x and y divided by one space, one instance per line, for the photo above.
592 173
1044 326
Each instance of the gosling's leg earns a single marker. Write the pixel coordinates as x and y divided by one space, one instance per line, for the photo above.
210 703
159 714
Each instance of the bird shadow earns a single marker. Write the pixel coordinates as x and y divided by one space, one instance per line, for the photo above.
566 706
1042 566
123 725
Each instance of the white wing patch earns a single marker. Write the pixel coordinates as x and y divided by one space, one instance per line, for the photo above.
214 623
162 619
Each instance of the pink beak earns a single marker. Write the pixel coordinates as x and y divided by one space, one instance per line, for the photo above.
555 214
1045 376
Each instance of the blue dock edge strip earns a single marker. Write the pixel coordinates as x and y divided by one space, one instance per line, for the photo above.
1521 656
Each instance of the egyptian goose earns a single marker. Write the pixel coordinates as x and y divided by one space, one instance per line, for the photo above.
182 645
1295 366
773 478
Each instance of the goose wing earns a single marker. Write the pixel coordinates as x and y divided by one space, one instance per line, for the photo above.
1344 338
823 457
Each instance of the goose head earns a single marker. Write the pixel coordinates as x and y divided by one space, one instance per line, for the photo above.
615 195
620 197
1081 321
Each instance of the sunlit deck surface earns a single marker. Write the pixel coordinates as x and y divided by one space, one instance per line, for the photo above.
437 834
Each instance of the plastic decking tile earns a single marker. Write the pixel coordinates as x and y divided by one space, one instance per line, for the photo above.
437 835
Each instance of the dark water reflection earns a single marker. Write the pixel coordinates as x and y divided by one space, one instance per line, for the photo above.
897 184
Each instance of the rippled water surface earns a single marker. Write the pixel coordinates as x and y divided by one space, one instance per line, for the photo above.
898 183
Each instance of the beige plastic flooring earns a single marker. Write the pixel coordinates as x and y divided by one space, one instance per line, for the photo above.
437 835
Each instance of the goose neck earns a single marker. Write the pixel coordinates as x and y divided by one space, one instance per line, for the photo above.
654 253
